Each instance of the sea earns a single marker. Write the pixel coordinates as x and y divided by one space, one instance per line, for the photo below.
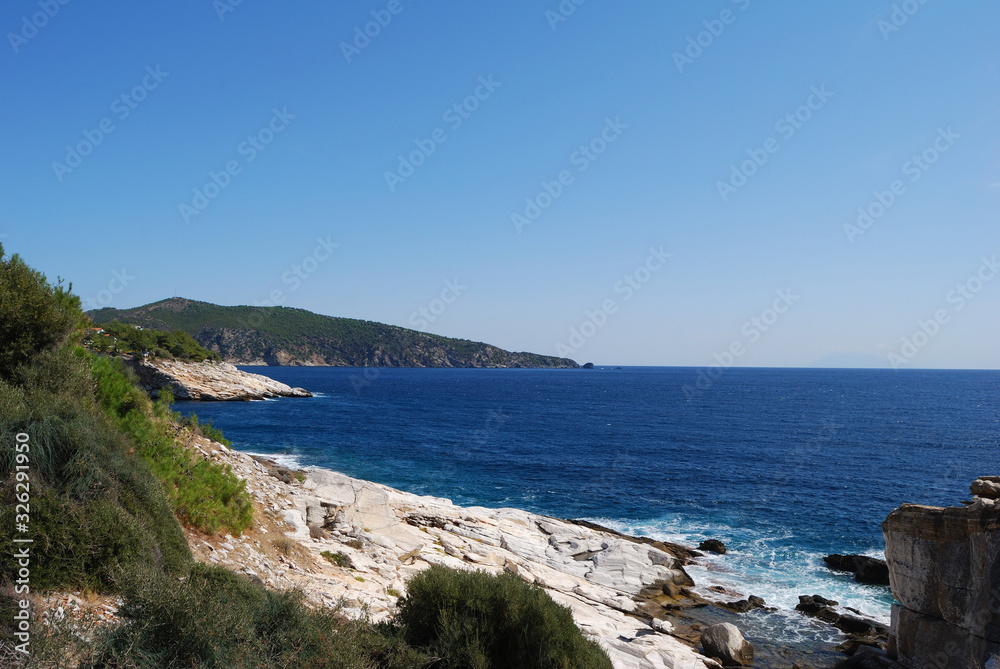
782 465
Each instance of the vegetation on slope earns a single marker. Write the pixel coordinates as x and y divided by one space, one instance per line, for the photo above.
118 337
280 335
107 483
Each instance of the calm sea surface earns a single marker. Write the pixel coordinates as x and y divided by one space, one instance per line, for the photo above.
783 465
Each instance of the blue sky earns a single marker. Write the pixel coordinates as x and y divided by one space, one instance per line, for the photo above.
589 142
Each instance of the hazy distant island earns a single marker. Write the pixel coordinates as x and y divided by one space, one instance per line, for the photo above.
281 336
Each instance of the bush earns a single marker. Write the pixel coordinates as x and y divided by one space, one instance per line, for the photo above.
34 316
95 507
217 619
474 620
205 494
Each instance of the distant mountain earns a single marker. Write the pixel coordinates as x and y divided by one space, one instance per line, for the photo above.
283 336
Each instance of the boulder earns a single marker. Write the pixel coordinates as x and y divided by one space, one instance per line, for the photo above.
865 569
742 606
725 643
987 487
712 546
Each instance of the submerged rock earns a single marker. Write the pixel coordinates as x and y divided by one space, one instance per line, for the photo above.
725 643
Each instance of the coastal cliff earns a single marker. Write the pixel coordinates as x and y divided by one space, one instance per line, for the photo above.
209 381
944 570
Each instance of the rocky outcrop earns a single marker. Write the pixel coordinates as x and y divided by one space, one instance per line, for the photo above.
209 381
865 569
380 537
944 570
725 643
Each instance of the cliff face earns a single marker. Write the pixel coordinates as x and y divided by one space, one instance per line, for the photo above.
210 381
944 570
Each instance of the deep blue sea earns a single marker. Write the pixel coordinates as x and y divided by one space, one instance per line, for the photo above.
783 465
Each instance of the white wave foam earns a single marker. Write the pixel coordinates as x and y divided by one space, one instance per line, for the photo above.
289 460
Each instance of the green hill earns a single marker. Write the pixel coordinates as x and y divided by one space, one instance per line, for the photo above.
284 336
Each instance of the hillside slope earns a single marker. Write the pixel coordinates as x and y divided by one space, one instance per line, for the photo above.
283 336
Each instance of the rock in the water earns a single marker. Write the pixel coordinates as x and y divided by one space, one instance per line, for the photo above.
712 546
588 365
987 487
725 643
945 572
742 606
865 569
813 603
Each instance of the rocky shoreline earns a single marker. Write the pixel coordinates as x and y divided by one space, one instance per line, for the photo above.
354 544
216 381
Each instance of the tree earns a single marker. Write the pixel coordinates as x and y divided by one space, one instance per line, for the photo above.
35 316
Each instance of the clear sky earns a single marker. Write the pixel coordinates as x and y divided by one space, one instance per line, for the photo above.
521 171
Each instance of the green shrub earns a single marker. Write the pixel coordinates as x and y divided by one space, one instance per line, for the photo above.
474 620
205 494
95 507
35 316
338 559
217 619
